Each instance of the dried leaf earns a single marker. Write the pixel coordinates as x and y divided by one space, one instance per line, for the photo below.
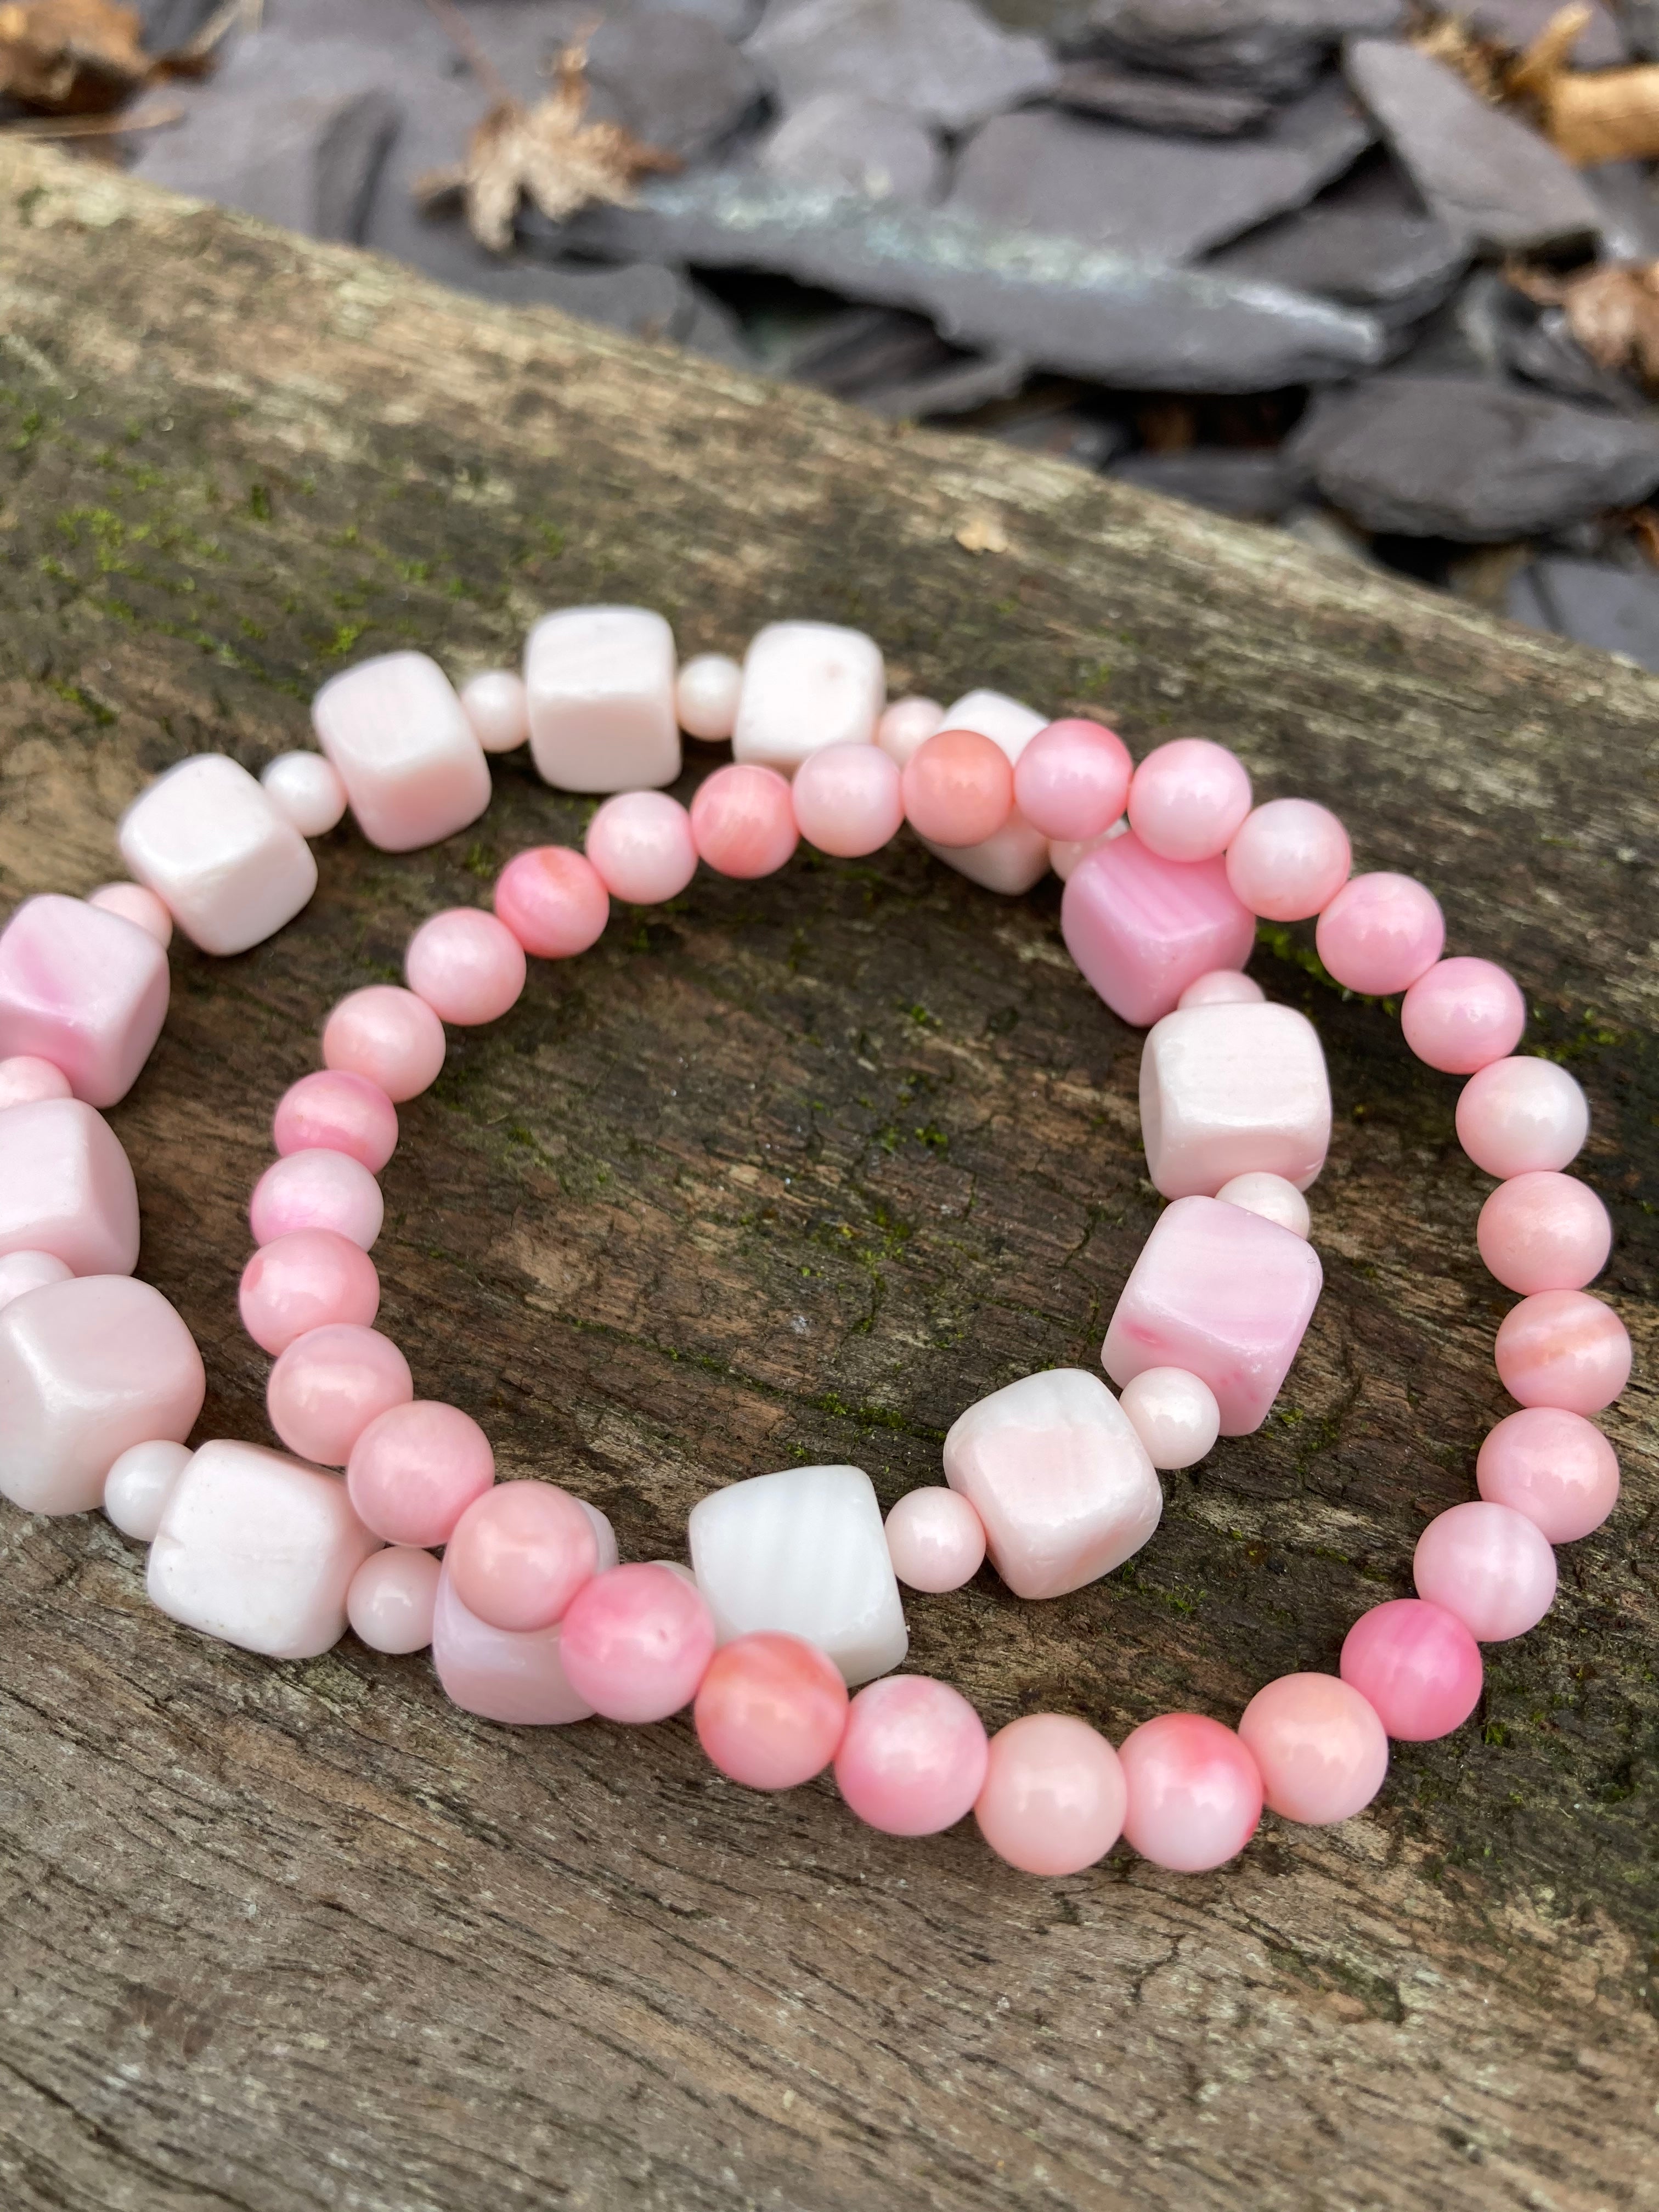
1479 61
1612 310
982 533
1588 116
71 57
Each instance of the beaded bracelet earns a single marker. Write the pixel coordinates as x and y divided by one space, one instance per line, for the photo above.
792 1598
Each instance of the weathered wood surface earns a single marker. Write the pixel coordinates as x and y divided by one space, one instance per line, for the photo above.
794 1169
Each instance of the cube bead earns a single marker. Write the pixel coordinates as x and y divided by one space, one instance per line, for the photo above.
1228 1091
66 1187
228 867
1142 928
409 757
1016 856
84 989
512 1675
600 685
805 685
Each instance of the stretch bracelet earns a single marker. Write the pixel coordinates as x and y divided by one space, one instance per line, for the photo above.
783 1634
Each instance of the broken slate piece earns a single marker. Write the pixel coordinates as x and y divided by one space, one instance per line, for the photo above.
1370 240
844 142
939 58
1158 103
1257 485
1593 602
671 77
1269 46
309 162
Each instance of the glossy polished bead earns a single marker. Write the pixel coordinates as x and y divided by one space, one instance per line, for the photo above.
24 1079
770 1711
1416 1665
1521 1116
468 966
913 1758
742 822
316 1190
329 1384
1222 986
140 1483
390 1600
1488 1565
958 788
1318 1746
1187 799
805 685
641 847
410 761
415 1469
497 705
66 1187
228 867
1270 1196
1071 781
1544 1231
83 989
23 1271
513 1676
1194 1793
935 1540
1060 1481
1463 1015
519 1553
554 900
1174 1413
1016 856
600 681
1053 1796
1065 855
905 726
636 1642
304 1281
1226 1090
1380 934
849 799
1563 1348
136 905
388 1036
605 1537
306 790
1555 1468
1288 860
706 695
1142 928
335 1111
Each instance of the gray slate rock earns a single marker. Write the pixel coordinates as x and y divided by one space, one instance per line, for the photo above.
1369 240
1271 47
1159 103
897 365
308 161
1257 486
1541 348
844 142
938 58
1593 602
1630 210
673 78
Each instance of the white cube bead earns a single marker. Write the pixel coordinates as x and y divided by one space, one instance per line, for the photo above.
600 685
257 1549
228 868
805 685
804 1552
66 1187
1016 856
1233 1090
409 759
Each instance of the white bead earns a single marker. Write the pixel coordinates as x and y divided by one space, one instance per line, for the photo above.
1016 856
804 1552
411 763
600 681
906 725
1232 1090
23 1271
1223 987
1066 852
605 1535
1174 1415
498 707
306 790
805 685
66 1187
229 869
1271 1197
138 1486
706 697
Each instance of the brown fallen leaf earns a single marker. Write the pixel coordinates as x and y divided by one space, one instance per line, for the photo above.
1479 61
1612 309
71 57
1588 116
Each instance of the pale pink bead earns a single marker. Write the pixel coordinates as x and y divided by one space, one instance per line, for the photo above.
467 966
1142 928
388 1036
554 900
1271 1197
316 1190
1488 1565
958 788
1072 780
329 1384
914 1756
906 727
139 1483
636 1643
517 1678
706 695
1416 1665
304 1281
1174 1413
1194 1792
66 1187
1544 1231
335 1111
742 820
409 757
1187 798
1288 860
641 846
519 1553
1563 1348
1463 1015
849 799
935 1538
83 989
1053 1796
771 1711
391 1598
1320 1748
306 790
496 704
1556 1467
1521 1116
415 1470
1066 853
23 1271
1222 986
1380 934
136 905
24 1079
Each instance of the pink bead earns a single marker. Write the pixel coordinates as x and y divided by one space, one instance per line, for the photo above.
1187 798
1463 1015
23 1271
914 1756
849 799
516 1678
636 1642
771 1711
409 757
1556 1467
1222 986
136 905
906 727
1142 928
1270 1196
229 868
468 966
304 1281
935 1538
390 1599
641 847
415 1470
83 989
1194 1792
306 790
1380 934
316 1190
1521 1116
1563 1348
1416 1665
1174 1413
1072 780
1053 1796
1320 1748
389 1037
24 1079
1288 860
329 1384
498 707
958 788
1488 1565
66 1187
553 901
1544 1231
519 1553
742 820
707 691
334 1111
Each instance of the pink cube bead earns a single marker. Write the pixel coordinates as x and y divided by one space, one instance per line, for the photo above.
497 705
1554 1467
636 1643
409 757
229 868
305 1281
1194 1793
1488 1565
1187 799
771 1711
935 1538
599 682
66 1187
329 1384
390 1600
1463 1015
316 1190
1521 1116
468 967
388 1036
1071 781
136 905
335 1111
1288 860
415 1469
1223 1293
554 900
519 1553
849 799
1053 1796
1233 1090
906 725
23 1271
1319 1748
1417 1665
743 823
805 685
83 989
504 1674
641 847
1222 986
24 1079
1563 1348
1142 928
914 1756
1380 934
1544 1231
958 788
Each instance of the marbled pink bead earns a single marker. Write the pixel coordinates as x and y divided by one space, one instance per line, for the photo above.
335 1111
519 1553
1318 1745
136 905
391 1598
554 900
409 757
935 1538
24 1078
1222 986
23 1271
1271 1197
1380 934
415 1470
742 820
497 705
1544 1231
467 965
83 989
1071 781
914 1755
1174 1413
1521 1116
1229 1090
771 1711
906 725
1194 1793
304 1281
1488 1565
958 788
307 791
1288 860
228 866
1053 1796
1416 1665
849 799
516 1677
316 1190
1187 798
1556 1467
1463 1015
641 846
389 1037
66 1187
1563 1348
706 695
1142 928
329 1384
636 1643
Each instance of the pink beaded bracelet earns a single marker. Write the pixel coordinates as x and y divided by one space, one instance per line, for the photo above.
792 1599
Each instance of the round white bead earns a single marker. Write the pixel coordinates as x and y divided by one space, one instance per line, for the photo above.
1174 1413
307 791
139 1485
706 696
498 707
1270 1196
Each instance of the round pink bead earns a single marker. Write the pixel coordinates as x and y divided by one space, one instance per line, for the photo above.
1319 1746
23 1271
1187 798
1072 780
1521 1116
467 965
1289 859
1463 1015
847 799
332 1111
329 1384
1174 1413
1380 934
914 1756
389 1037
636 1643
935 1538
742 820
497 705
771 1711
1544 1231
415 1470
1053 1796
316 1190
553 901
958 788
304 1281
1416 1665
1556 1467
906 727
307 791
641 846
519 1553
706 695
24 1080
391 1598
1563 1348
1194 1792
134 903
1223 987
1488 1565
1271 1197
